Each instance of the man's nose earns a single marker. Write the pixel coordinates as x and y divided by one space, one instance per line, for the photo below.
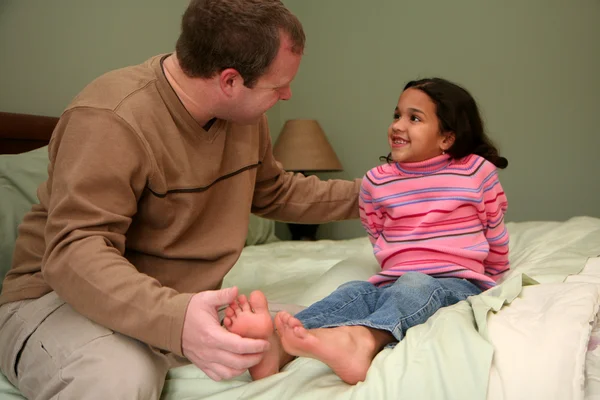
285 94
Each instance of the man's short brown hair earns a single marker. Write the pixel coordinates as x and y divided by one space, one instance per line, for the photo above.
240 34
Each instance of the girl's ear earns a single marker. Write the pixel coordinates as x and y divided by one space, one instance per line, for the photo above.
447 140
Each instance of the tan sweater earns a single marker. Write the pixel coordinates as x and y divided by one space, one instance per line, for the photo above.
142 207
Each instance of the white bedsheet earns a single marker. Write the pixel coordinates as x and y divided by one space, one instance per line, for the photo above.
591 273
465 351
540 342
546 328
541 339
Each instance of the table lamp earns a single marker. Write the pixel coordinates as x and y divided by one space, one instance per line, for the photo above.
303 147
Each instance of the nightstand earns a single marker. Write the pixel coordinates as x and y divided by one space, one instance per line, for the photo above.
306 232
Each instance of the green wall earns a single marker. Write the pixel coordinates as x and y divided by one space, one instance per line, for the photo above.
51 49
532 65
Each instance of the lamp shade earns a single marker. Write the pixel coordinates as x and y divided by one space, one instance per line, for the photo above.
303 146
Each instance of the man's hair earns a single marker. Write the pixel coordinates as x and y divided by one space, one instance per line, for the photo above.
240 34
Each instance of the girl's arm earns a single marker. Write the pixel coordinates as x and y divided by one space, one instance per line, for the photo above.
370 217
497 236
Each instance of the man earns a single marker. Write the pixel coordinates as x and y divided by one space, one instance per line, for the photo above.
154 170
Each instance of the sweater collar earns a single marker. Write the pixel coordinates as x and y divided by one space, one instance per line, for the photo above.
429 166
179 112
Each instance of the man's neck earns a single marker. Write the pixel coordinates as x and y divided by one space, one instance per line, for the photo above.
193 93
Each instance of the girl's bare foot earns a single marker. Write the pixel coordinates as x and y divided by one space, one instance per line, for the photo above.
252 319
347 350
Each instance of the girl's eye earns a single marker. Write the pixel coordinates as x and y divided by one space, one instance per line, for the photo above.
414 118
396 116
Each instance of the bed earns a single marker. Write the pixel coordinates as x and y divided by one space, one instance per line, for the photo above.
535 336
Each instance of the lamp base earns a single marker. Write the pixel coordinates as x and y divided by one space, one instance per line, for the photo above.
303 231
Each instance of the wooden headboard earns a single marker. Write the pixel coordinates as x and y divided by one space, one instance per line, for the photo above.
23 132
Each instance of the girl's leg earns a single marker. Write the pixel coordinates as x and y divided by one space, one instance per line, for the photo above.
331 331
409 301
347 350
348 328
353 324
415 297
352 301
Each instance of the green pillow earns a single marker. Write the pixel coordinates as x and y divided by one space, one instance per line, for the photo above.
20 176
260 231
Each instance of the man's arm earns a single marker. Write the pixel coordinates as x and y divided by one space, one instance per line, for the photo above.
98 171
289 197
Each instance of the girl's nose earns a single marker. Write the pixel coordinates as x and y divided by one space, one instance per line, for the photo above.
399 125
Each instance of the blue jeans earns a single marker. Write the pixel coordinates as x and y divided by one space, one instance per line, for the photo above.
395 307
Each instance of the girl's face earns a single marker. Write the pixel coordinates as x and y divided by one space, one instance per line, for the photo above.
415 135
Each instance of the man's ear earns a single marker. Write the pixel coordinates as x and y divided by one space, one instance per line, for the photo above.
230 81
447 140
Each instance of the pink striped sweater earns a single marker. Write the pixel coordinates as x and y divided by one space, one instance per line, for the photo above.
441 217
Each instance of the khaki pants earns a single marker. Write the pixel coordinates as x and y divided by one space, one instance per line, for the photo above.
48 350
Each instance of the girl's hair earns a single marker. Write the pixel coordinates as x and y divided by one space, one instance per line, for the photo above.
457 112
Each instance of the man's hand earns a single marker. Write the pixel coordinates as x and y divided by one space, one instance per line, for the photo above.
217 352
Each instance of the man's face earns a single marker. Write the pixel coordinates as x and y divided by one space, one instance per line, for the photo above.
274 85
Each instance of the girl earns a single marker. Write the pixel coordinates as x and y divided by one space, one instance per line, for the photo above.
435 216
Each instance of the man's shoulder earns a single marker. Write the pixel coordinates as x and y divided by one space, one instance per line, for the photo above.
118 87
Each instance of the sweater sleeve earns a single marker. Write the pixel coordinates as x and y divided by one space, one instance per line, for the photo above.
495 231
98 171
289 197
370 217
